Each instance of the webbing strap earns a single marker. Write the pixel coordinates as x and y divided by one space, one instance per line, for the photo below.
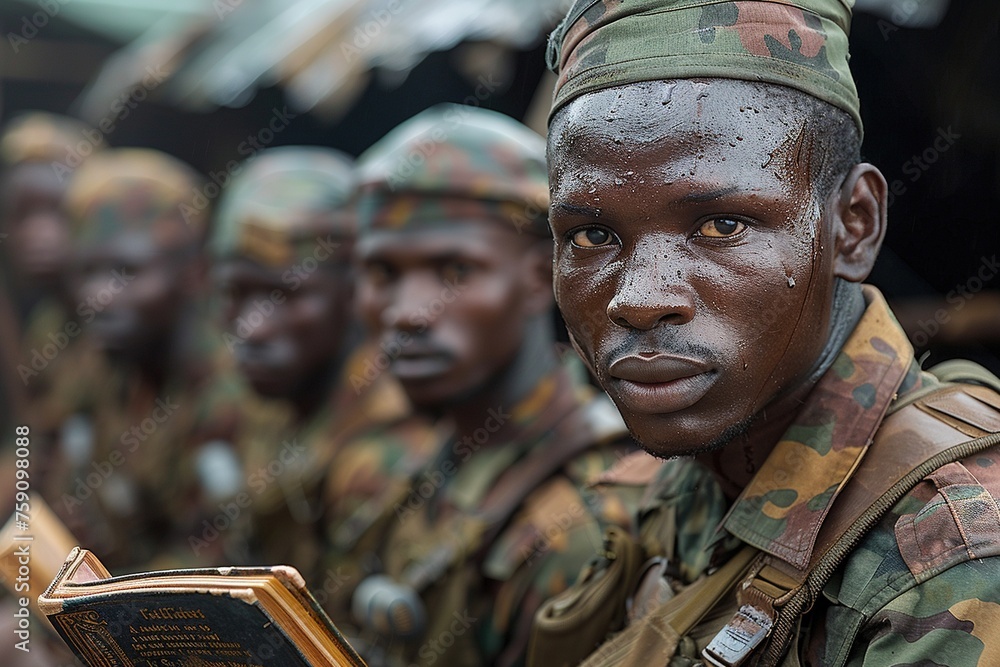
911 443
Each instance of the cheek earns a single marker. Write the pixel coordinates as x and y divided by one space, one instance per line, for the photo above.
583 298
487 318
370 302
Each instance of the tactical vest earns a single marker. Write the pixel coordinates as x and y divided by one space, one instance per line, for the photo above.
766 597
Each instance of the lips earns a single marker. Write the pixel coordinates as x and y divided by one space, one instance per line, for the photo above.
659 383
417 362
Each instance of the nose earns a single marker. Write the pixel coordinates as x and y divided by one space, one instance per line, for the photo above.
651 291
256 318
411 307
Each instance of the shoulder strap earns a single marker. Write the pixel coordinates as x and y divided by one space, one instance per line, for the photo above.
943 426
580 428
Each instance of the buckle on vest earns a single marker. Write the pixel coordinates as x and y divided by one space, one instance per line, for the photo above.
737 640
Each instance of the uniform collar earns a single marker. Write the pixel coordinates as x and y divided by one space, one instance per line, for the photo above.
782 508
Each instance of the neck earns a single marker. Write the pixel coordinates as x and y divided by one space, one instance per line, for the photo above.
535 359
313 392
736 462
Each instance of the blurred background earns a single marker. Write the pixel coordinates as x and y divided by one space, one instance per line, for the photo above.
212 81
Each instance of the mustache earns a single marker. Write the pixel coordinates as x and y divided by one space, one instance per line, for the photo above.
271 354
634 343
417 345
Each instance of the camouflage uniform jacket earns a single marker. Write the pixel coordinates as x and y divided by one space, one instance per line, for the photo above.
124 473
481 599
922 588
277 514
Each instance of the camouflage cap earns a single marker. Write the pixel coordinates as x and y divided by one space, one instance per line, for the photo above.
801 44
454 162
282 202
136 189
39 136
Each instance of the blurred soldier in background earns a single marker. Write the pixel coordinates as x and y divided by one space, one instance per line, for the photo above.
455 284
37 156
282 246
152 412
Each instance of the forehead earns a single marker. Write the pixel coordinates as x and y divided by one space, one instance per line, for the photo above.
736 133
33 179
434 241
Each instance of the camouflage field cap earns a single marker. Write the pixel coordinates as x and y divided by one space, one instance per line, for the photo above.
283 202
801 44
452 163
136 189
39 136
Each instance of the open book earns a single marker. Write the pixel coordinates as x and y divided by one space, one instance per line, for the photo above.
212 617
31 553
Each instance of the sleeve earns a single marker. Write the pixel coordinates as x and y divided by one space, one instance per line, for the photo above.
547 545
929 580
537 558
951 619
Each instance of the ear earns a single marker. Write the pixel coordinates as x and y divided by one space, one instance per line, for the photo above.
859 222
537 277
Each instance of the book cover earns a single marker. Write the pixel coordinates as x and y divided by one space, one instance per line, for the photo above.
212 617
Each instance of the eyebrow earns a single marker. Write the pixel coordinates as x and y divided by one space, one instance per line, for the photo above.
711 195
573 209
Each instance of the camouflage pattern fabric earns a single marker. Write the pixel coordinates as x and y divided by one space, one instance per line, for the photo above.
481 604
921 588
453 162
801 44
135 188
284 199
124 474
279 504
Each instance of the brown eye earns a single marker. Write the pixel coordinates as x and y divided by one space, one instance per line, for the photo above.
592 237
721 228
455 270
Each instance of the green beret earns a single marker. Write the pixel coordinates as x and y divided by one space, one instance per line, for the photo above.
454 162
801 44
282 201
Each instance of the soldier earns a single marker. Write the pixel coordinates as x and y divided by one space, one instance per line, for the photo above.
35 151
455 282
713 224
282 246
147 443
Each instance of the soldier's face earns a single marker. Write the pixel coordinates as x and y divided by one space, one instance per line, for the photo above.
284 325
34 218
130 291
446 305
690 264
